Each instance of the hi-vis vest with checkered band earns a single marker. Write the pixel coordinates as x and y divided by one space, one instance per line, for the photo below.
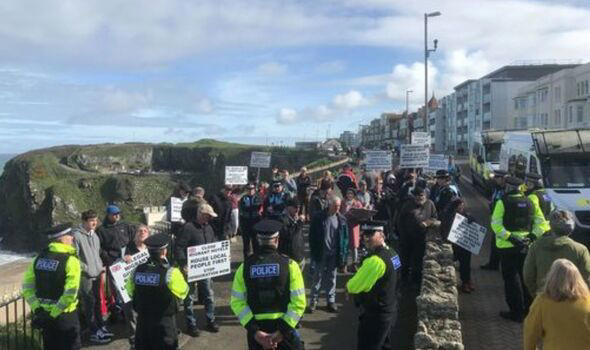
518 213
50 276
152 297
382 297
267 281
544 202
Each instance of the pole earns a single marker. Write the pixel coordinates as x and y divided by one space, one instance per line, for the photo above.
257 176
427 126
408 115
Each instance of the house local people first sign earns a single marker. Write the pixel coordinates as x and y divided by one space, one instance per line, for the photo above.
236 175
467 235
414 156
122 272
260 160
208 260
378 160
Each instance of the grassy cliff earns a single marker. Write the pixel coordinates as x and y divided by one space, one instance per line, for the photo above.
54 185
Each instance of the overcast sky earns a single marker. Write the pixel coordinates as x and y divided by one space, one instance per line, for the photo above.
250 70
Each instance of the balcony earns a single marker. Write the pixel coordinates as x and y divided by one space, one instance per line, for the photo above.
486 98
487 116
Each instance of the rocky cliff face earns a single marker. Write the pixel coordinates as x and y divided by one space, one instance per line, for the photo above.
45 187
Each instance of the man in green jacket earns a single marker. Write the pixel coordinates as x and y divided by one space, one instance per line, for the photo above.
554 245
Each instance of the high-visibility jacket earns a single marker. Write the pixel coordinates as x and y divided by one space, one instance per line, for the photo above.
273 309
541 200
516 215
53 279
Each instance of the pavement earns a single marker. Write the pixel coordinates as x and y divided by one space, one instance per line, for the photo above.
483 328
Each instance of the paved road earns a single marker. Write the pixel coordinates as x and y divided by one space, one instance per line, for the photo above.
483 329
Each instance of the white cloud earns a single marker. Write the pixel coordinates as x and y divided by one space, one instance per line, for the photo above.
272 69
350 100
410 77
119 101
287 116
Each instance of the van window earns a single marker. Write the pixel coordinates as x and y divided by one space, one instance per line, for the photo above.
533 165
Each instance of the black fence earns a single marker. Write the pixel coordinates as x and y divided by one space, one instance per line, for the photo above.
16 332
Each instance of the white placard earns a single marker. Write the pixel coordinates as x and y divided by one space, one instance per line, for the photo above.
208 260
122 272
260 160
437 162
378 160
236 175
175 209
420 138
414 156
467 235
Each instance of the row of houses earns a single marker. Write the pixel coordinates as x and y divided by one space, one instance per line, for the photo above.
545 96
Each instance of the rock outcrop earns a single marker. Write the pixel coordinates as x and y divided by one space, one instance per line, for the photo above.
54 185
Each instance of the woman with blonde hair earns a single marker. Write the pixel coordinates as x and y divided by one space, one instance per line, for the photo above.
559 317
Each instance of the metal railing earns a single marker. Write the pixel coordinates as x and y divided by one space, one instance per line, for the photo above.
16 332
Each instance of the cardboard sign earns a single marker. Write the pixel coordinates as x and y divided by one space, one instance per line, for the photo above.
378 160
208 260
414 156
420 138
122 272
236 175
260 160
467 235
175 209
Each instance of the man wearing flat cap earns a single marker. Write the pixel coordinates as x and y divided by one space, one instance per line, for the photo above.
50 287
268 295
374 289
155 286
514 221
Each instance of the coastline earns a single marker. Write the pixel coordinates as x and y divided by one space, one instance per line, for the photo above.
11 275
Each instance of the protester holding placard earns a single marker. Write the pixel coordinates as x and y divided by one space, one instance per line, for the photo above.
197 231
463 255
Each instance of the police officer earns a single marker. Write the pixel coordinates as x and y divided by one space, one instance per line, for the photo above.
374 288
540 199
268 295
497 194
513 221
154 287
50 287
446 191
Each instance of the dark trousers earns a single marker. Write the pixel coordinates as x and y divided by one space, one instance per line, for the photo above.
153 334
374 331
494 256
290 342
248 237
63 333
412 247
90 299
517 297
464 258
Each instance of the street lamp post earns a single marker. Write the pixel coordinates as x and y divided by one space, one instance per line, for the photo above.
408 114
427 52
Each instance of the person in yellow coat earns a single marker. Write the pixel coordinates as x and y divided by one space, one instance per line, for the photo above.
268 294
374 289
50 287
559 316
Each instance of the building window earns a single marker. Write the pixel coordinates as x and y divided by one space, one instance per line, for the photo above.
558 117
586 87
578 89
580 114
557 94
543 94
515 104
570 115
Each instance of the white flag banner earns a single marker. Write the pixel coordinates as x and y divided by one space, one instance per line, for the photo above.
467 235
414 156
208 260
122 272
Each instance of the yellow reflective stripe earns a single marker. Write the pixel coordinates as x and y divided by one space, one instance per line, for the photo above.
245 313
61 306
268 316
297 292
238 295
497 221
503 234
292 315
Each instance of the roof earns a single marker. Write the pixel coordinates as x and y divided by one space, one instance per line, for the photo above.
526 72
466 82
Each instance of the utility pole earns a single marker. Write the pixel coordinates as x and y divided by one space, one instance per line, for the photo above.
427 52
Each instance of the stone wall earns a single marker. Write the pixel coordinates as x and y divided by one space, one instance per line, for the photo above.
438 303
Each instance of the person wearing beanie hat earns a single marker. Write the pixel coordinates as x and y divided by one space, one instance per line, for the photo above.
268 294
50 287
553 245
154 287
515 221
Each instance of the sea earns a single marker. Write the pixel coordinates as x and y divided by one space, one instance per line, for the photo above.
6 257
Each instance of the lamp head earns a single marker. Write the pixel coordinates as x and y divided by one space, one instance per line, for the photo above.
433 14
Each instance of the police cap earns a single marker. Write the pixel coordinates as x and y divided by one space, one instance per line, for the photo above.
59 230
442 174
267 228
157 241
370 227
514 181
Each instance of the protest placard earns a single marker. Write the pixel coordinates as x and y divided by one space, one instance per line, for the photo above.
467 235
236 175
175 209
414 156
260 160
122 272
378 160
208 260
420 138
